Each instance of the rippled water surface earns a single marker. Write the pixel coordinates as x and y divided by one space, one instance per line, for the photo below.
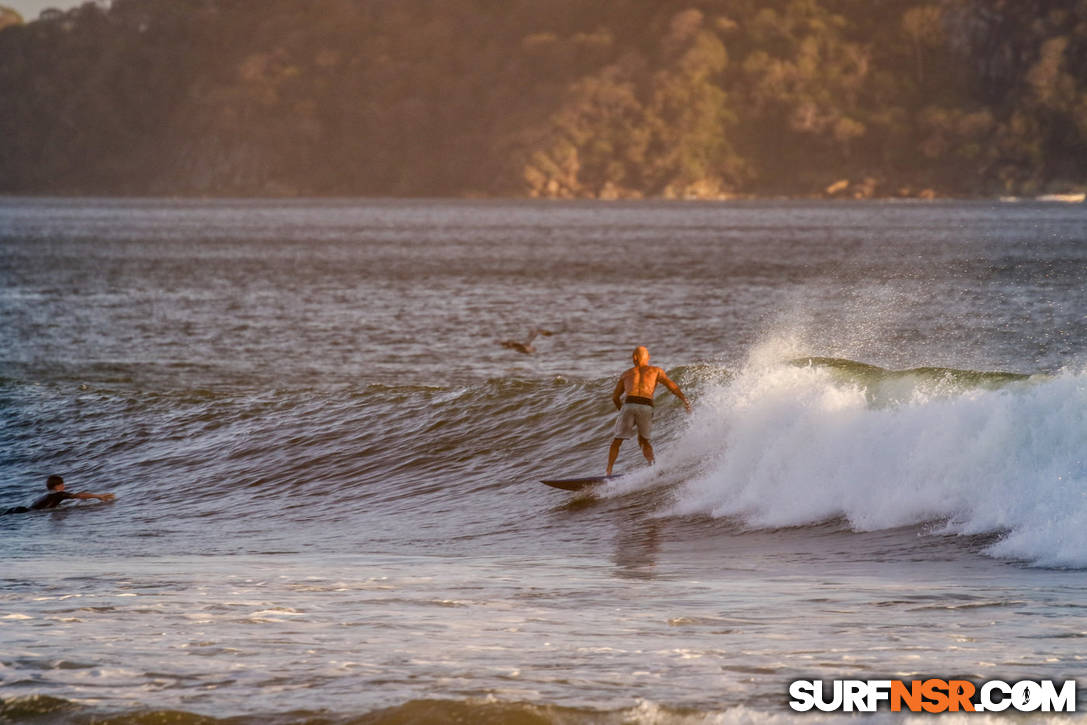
326 464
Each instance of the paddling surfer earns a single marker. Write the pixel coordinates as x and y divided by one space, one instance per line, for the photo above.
636 410
55 496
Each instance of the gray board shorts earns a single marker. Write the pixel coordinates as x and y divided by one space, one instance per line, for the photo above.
634 416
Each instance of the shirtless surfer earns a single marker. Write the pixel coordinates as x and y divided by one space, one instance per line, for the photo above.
636 410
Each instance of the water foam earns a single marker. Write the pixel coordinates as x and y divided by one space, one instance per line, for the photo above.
785 445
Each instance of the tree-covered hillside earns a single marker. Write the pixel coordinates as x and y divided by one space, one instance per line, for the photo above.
556 98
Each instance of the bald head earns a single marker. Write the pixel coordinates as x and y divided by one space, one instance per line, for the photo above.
641 355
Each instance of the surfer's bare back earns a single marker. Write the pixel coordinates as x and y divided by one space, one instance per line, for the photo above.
636 410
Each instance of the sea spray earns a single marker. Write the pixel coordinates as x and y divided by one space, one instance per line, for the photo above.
792 444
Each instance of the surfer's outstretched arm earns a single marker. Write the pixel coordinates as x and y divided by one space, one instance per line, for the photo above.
674 390
99 496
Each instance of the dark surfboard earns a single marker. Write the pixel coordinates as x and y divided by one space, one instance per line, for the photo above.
576 484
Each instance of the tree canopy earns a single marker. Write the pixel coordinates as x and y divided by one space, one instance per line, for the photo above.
548 98
9 17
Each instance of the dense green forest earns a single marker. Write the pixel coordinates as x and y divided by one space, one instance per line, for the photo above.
551 98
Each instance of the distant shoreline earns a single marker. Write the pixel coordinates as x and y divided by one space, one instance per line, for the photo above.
560 99
1069 198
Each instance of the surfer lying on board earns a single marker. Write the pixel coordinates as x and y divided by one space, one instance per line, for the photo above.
57 495
636 411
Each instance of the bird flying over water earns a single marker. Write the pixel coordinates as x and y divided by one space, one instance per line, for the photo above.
526 347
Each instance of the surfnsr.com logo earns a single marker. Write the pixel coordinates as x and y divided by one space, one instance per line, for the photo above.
933 695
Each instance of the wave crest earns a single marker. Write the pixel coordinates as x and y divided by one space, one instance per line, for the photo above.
819 439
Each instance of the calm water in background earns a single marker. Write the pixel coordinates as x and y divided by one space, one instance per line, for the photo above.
326 465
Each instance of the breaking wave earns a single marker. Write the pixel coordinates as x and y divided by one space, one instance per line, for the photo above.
815 439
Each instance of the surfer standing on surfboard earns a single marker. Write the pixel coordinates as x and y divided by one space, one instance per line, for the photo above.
636 410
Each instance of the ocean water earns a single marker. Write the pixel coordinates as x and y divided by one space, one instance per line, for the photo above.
326 464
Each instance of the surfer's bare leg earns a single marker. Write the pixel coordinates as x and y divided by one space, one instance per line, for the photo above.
647 449
613 453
